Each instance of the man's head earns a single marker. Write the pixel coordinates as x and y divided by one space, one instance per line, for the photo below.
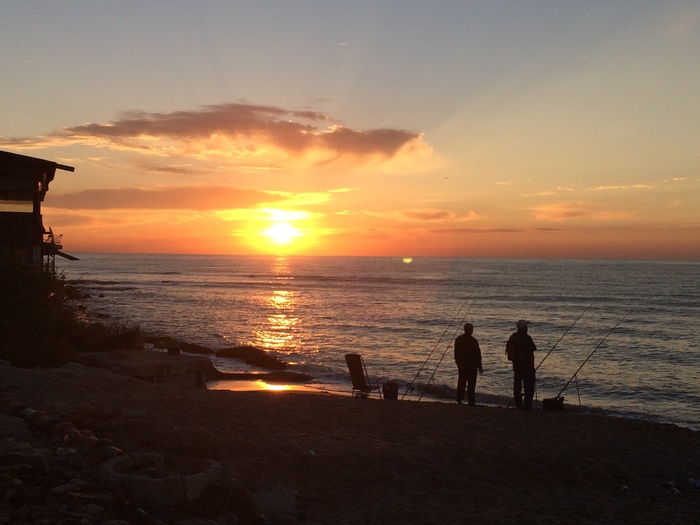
468 328
522 325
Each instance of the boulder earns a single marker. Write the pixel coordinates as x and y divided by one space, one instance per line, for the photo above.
253 356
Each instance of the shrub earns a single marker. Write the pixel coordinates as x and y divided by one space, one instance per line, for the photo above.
40 327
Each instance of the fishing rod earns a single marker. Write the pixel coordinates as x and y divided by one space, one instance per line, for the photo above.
562 335
446 349
410 386
591 354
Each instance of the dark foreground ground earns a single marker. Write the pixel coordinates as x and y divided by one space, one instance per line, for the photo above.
198 456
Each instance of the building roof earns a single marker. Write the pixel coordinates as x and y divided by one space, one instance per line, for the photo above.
15 165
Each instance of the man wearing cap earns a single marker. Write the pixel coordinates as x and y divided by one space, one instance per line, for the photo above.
468 359
523 366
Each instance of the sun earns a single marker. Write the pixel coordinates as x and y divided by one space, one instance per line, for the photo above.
282 233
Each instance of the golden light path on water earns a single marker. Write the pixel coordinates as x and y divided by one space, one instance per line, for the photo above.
277 334
282 322
279 331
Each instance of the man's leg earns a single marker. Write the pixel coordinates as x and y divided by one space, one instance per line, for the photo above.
461 385
517 387
471 387
529 381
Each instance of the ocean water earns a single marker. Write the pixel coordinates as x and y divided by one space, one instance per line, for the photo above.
624 335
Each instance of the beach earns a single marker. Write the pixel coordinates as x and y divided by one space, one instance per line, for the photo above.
299 457
402 318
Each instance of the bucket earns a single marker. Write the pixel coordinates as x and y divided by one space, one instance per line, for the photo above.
390 390
554 403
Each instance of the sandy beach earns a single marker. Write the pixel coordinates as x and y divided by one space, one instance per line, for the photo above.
331 459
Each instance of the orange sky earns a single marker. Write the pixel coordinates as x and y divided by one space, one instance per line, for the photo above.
448 130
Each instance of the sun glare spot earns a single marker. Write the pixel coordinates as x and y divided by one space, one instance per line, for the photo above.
282 233
408 260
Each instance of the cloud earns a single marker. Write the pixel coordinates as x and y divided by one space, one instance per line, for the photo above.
422 215
549 193
175 169
621 187
563 189
306 198
68 218
242 134
563 211
458 231
161 198
576 210
427 215
266 214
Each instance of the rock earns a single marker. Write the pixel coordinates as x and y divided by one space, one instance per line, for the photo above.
13 429
135 475
35 458
61 472
134 413
170 343
276 502
92 510
253 356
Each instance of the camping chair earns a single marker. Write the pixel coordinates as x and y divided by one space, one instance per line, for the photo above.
361 386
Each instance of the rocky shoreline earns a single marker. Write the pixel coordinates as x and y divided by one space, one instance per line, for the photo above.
54 473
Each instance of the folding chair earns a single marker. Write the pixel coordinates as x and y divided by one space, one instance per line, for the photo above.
361 385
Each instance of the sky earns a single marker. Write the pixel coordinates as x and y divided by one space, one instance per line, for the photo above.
400 128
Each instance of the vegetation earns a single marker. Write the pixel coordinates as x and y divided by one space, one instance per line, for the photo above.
40 325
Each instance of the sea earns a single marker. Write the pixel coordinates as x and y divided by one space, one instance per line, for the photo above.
615 337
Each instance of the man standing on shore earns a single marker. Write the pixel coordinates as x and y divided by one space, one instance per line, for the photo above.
520 349
468 359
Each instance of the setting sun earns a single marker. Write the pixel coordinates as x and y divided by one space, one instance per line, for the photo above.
282 233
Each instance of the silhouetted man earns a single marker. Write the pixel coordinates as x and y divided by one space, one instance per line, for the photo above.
520 348
468 359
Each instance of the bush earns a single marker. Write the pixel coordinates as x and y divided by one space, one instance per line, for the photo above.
96 337
40 327
33 315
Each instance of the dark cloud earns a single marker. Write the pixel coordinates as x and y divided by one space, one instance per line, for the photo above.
227 119
451 231
215 129
68 219
184 198
428 215
459 231
383 142
170 170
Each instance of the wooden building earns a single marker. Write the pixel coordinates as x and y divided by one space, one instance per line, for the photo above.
24 182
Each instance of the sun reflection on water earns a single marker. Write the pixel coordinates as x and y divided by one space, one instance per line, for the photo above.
281 330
